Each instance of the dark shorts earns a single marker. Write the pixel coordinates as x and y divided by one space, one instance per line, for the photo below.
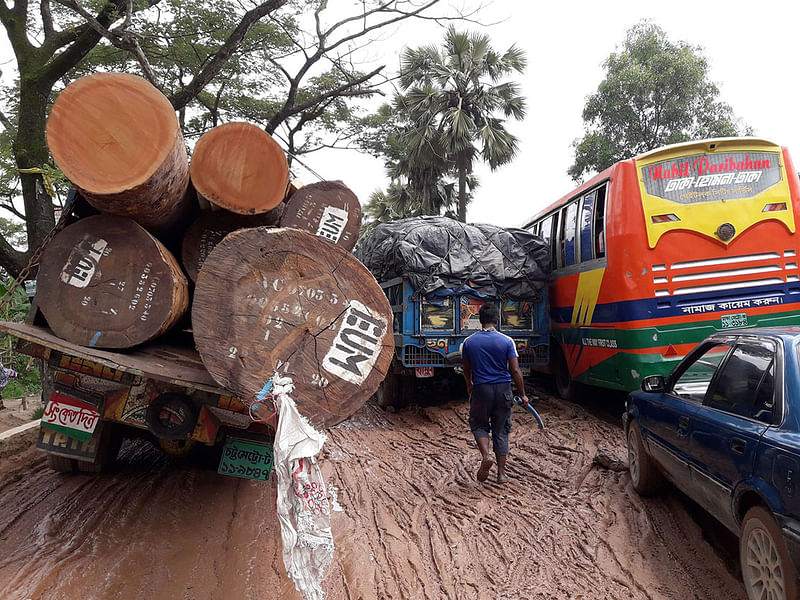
490 411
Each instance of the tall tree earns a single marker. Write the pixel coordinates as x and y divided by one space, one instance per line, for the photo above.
280 63
457 94
655 92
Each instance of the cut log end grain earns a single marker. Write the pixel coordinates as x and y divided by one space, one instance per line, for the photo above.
106 282
328 209
282 300
239 167
211 227
117 138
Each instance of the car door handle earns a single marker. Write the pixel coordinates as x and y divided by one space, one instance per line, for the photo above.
738 445
683 422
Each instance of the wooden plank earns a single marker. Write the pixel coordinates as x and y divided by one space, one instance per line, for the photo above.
285 301
159 360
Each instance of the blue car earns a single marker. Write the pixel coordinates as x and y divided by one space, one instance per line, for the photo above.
724 427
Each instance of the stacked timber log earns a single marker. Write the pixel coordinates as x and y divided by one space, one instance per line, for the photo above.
271 283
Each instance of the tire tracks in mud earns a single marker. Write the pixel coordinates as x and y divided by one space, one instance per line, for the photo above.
410 521
560 528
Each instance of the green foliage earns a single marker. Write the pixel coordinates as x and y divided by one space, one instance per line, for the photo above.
38 413
16 310
655 93
452 111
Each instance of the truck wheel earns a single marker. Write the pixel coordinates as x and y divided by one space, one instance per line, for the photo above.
387 392
767 568
645 476
566 387
110 443
62 464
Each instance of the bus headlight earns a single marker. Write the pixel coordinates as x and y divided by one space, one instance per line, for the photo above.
725 232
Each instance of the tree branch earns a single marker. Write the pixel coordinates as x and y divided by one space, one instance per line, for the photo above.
47 20
82 45
289 108
10 257
213 66
120 37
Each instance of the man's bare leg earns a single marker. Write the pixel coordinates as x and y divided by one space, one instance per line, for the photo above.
501 468
486 460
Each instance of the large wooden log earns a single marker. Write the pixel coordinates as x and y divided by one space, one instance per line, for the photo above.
118 140
105 282
239 167
328 209
282 300
211 227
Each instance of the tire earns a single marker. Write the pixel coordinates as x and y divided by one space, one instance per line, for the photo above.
110 443
388 391
767 568
62 464
645 476
566 387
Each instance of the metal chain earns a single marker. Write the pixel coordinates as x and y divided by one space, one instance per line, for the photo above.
8 297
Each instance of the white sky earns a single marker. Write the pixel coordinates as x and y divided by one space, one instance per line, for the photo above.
752 48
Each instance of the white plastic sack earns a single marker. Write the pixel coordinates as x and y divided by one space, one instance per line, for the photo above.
303 507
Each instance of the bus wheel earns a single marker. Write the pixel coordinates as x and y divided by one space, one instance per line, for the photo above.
566 387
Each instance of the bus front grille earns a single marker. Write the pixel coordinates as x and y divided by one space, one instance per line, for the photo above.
725 273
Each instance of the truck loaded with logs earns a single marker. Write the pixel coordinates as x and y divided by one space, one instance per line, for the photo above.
172 293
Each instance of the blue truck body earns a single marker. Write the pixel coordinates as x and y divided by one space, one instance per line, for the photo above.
429 332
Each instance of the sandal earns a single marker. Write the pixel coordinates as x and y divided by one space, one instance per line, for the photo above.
483 472
502 478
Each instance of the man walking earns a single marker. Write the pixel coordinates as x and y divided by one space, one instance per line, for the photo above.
490 362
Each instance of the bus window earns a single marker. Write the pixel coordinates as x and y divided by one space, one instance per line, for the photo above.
566 235
599 223
587 207
546 232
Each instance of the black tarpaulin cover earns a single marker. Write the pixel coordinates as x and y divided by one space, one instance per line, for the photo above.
440 256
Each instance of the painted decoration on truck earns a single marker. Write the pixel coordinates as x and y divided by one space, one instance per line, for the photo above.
468 315
70 416
437 316
516 314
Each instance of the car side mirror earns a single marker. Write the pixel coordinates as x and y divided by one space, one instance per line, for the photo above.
653 383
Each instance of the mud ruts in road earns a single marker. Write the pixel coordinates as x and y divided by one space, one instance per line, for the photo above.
410 522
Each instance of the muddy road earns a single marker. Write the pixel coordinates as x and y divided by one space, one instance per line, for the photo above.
409 521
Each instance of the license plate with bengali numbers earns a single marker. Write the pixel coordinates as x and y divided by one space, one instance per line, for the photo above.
734 320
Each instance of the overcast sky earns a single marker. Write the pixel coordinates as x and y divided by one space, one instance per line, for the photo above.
753 49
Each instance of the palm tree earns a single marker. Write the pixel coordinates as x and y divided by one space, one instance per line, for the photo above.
456 95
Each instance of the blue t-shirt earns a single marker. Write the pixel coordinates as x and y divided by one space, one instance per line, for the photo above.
488 353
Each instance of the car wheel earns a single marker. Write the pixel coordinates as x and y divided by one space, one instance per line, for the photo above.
767 569
645 476
566 387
